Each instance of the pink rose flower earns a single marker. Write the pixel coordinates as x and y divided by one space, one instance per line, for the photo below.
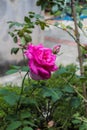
41 61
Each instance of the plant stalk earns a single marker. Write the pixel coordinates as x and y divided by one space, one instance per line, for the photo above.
22 88
79 50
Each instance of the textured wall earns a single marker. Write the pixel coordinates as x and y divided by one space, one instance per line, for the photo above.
14 10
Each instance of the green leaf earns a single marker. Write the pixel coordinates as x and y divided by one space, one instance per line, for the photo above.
31 14
11 71
4 91
55 8
26 19
75 102
15 67
23 41
82 78
28 38
61 71
37 16
14 50
84 12
11 34
68 89
25 115
83 126
27 128
15 39
14 125
80 24
76 121
11 99
25 68
69 27
55 95
28 31
11 24
26 122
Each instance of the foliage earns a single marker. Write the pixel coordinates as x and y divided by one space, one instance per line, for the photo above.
42 102
54 104
21 32
62 7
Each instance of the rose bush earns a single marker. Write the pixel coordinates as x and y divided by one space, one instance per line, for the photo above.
41 61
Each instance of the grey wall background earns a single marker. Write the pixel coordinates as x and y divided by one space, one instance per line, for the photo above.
14 10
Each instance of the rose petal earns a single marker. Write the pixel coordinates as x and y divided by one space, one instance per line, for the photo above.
45 74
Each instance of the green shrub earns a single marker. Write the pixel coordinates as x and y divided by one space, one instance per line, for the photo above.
41 102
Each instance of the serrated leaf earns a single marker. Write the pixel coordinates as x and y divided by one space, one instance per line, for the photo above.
14 50
14 125
27 128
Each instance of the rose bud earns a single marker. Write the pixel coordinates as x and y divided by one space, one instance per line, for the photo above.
56 49
50 124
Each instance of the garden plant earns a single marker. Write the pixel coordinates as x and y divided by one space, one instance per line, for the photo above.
51 97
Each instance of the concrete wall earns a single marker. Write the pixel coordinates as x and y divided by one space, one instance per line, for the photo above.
14 10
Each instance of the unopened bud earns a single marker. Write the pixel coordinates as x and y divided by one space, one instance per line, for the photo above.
50 124
56 49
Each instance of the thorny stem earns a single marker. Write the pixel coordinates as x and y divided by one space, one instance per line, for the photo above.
68 33
85 100
77 37
79 49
